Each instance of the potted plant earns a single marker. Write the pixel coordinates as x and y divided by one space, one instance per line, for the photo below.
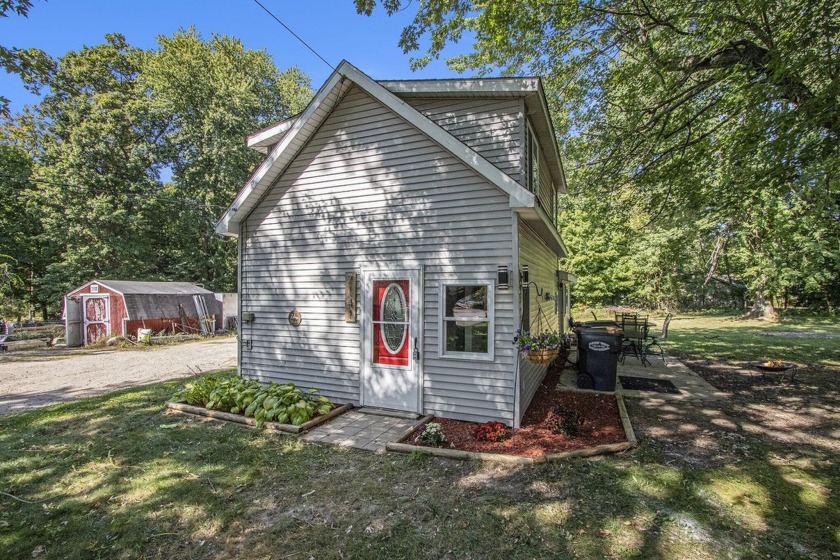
540 348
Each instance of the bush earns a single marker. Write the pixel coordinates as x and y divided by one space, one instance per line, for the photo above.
561 420
274 402
432 434
491 431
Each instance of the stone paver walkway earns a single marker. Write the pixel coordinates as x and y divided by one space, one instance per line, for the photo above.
691 385
361 429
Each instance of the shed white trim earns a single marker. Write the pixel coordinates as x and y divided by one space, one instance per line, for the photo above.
318 109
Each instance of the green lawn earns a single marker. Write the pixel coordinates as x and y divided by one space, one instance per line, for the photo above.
805 339
113 477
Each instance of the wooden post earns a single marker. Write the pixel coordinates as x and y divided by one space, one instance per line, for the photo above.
350 297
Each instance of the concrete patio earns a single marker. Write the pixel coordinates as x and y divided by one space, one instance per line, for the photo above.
690 385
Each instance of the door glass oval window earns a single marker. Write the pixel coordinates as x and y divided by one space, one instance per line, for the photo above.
393 317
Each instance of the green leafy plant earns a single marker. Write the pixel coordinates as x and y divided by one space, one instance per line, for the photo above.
491 431
564 421
432 435
197 392
274 402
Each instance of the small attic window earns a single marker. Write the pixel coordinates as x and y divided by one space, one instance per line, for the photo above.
532 157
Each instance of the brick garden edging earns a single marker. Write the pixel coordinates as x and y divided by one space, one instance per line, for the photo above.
515 459
239 419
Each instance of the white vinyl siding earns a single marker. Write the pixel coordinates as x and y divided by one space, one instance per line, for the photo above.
542 267
368 188
490 126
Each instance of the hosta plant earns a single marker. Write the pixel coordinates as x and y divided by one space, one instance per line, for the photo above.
274 402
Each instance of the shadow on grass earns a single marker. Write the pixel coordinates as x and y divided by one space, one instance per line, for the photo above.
114 477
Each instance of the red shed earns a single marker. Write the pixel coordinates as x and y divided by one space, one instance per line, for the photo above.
103 308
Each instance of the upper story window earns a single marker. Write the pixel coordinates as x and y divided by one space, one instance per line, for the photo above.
532 158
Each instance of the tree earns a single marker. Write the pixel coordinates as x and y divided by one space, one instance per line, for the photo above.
33 65
698 111
20 259
135 154
215 93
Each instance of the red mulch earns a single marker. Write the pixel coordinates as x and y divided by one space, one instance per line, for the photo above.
601 424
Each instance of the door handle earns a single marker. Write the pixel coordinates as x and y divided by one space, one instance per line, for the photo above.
416 350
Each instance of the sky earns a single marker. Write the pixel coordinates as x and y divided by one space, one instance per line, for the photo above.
331 27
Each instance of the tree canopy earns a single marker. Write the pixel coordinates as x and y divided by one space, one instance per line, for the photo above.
123 167
722 115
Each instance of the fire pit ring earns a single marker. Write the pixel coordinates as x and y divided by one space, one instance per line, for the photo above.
774 367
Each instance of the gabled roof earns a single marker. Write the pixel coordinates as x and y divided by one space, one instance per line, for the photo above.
289 137
529 88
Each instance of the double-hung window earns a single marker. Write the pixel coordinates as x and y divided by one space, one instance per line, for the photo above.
466 320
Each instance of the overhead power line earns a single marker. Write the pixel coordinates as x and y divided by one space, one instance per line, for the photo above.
296 36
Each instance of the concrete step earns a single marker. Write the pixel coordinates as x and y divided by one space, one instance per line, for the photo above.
388 412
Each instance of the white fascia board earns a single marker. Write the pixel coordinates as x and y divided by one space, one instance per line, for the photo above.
519 196
271 135
254 185
478 86
555 151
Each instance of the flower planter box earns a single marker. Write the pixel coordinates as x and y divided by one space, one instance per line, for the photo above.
542 356
274 426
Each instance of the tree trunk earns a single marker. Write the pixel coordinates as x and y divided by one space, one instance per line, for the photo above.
762 308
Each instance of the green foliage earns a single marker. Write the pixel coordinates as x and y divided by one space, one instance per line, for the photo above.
431 435
115 122
702 140
33 66
197 392
274 402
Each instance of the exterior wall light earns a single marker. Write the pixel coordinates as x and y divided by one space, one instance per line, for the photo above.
524 275
504 278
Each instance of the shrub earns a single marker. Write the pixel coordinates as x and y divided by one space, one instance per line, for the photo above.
197 392
491 431
284 403
432 434
561 420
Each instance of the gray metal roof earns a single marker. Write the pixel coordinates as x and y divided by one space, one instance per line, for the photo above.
166 306
131 287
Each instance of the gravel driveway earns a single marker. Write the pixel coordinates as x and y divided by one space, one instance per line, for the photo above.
39 378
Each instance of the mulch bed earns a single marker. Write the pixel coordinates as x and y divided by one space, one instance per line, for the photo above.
601 424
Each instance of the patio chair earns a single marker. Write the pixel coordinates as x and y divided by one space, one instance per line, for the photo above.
655 339
635 332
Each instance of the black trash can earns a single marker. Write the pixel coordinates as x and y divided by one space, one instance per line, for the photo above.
598 351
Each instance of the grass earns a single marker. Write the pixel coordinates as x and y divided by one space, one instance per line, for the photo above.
805 339
114 477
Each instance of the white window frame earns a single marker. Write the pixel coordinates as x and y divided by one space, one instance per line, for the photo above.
532 152
489 356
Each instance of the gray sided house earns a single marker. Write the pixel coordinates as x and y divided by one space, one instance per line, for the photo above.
374 237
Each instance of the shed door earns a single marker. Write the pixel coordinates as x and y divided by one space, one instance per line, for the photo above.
391 369
97 318
73 321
